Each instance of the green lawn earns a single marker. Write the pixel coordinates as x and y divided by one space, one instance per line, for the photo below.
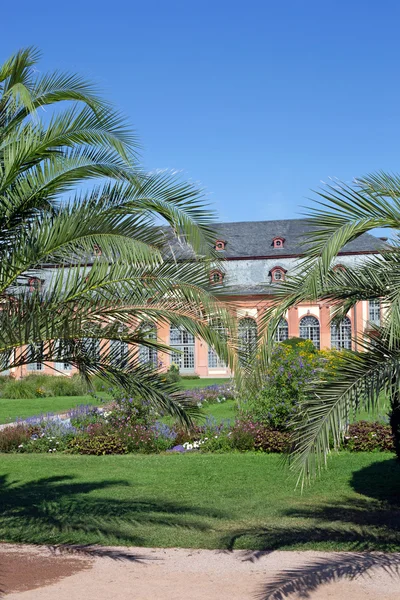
189 384
11 410
200 501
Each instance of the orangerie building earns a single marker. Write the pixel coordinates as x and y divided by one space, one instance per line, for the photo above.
257 255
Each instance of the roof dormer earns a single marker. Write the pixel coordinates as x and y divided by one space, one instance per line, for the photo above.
220 245
278 242
216 277
277 274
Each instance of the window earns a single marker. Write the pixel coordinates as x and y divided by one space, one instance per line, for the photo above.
220 245
148 355
214 361
341 335
247 332
37 351
118 354
216 277
339 268
61 365
278 274
374 311
35 284
183 341
309 329
91 347
282 331
278 242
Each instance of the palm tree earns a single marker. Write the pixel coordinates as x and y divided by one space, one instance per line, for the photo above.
343 213
107 261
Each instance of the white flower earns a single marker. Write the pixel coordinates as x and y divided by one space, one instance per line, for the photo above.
199 404
215 436
57 442
21 446
50 450
196 444
189 447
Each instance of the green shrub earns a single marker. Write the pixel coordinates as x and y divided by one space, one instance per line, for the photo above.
19 389
98 445
364 436
14 438
41 386
172 375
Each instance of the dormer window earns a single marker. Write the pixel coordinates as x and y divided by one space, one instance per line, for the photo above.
220 245
216 277
339 268
278 274
278 242
35 284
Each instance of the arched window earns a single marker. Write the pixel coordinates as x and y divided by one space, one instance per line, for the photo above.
36 351
91 346
216 277
214 361
282 331
183 341
278 242
309 329
341 335
119 353
60 365
374 311
278 274
148 355
247 332
35 284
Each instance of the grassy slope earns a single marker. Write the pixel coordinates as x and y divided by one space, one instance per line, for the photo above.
203 501
11 410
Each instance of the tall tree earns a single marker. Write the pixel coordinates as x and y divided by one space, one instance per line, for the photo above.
81 260
343 213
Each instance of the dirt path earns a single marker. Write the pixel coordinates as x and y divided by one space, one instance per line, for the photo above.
30 573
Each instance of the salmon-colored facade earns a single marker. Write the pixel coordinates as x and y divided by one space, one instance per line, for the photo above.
255 258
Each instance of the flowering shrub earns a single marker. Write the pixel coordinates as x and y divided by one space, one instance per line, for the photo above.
84 415
367 437
245 436
14 438
107 443
212 394
291 370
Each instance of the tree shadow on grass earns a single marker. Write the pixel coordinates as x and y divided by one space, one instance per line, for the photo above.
59 512
365 526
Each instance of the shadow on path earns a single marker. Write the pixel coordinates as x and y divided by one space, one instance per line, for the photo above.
366 525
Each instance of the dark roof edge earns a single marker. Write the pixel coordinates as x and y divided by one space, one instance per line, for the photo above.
276 256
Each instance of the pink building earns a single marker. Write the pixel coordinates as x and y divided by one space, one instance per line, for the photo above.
257 255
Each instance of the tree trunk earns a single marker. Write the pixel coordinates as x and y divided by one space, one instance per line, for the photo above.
395 421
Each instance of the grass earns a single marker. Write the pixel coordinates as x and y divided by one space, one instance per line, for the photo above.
189 384
11 410
200 501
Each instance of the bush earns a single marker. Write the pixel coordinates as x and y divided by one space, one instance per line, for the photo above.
211 394
98 445
292 369
172 375
13 439
41 386
368 437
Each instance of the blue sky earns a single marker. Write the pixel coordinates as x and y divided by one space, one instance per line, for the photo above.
258 101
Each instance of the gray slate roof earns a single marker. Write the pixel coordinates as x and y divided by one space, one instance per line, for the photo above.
254 238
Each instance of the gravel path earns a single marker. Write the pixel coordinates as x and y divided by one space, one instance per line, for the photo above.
32 573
